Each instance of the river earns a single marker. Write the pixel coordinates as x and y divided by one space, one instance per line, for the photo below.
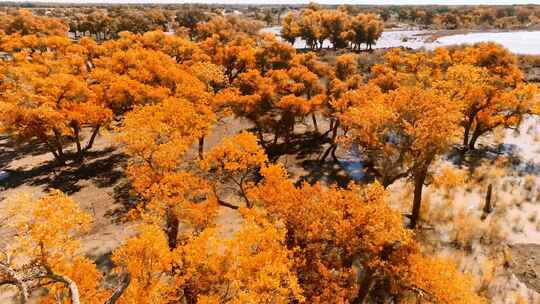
519 42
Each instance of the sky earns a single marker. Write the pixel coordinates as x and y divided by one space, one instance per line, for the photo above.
371 2
374 2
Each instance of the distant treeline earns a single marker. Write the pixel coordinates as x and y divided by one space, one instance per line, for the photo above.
431 16
315 25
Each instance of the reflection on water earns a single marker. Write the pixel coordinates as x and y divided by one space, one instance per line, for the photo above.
352 162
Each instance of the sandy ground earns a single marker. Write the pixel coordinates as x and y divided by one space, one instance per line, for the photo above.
490 249
98 186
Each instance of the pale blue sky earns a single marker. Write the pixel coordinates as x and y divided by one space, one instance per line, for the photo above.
372 2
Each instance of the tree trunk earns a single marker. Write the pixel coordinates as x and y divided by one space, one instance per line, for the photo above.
92 138
172 229
365 287
201 147
52 149
332 121
249 204
466 135
488 207
276 137
334 132
71 285
260 134
17 281
124 284
314 118
289 134
76 131
333 145
333 153
58 142
474 137
326 153
419 179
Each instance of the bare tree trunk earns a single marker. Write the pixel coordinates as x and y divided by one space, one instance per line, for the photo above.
334 132
466 135
260 134
276 137
488 207
314 118
326 153
333 146
249 204
172 228
289 134
124 284
365 287
76 131
92 138
332 121
201 147
333 153
51 148
474 138
72 286
419 179
13 275
58 142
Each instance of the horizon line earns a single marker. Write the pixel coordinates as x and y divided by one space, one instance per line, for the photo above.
281 2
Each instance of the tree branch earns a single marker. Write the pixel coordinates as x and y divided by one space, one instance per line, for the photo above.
221 202
16 280
72 286
225 204
124 283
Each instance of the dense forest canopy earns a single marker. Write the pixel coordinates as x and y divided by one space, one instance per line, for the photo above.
161 80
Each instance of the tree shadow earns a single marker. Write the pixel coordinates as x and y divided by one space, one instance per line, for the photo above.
473 159
307 149
105 265
328 172
103 168
12 150
125 200
303 146
103 261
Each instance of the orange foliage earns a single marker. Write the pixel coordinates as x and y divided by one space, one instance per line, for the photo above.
252 267
147 259
47 248
23 22
315 25
341 234
156 137
484 80
401 134
46 96
235 160
297 243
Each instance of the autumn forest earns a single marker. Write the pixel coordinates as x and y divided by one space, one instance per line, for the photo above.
186 154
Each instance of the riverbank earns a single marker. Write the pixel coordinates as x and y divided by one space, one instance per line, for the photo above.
524 42
437 34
